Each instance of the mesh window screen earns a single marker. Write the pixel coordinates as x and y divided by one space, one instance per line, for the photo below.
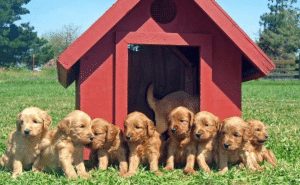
163 11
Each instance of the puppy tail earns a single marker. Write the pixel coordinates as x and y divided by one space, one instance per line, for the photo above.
150 98
3 160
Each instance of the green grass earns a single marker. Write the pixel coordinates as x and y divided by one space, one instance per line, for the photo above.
275 102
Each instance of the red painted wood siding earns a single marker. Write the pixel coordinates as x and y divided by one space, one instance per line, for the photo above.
102 82
98 74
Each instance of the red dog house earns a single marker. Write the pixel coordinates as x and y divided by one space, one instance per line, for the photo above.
190 45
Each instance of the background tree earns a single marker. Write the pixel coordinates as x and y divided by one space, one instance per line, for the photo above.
18 43
279 36
61 39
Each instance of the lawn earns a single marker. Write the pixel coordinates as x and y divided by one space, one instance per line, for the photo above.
277 103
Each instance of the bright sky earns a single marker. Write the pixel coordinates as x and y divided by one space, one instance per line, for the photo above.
51 15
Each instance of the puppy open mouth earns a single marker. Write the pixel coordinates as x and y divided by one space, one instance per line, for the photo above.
89 145
261 141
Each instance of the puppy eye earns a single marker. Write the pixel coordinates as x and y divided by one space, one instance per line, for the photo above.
96 134
183 121
206 124
137 127
21 122
236 134
257 129
82 126
35 121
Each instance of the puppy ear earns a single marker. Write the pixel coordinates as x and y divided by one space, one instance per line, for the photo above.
47 120
150 128
18 122
191 119
64 126
247 132
218 124
111 133
250 123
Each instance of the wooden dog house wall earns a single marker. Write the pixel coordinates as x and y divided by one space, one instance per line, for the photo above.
194 38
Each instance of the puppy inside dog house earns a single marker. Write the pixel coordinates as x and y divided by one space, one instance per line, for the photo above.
188 45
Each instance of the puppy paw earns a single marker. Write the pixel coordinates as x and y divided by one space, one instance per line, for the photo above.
189 171
85 175
15 175
158 173
207 170
259 168
72 177
127 175
36 169
122 174
168 168
241 166
222 172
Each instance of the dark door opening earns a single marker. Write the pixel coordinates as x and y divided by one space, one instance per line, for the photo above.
169 68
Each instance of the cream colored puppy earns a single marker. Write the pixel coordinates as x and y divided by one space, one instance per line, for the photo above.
164 106
23 144
63 147
206 126
232 146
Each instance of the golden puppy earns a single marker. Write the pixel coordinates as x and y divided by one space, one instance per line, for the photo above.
163 107
258 136
144 142
23 144
206 127
63 147
234 136
181 147
109 145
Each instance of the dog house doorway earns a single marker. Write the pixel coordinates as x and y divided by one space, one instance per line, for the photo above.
169 68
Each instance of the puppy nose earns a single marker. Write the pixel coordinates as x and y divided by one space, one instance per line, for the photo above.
226 146
26 132
128 137
266 136
198 135
92 138
173 130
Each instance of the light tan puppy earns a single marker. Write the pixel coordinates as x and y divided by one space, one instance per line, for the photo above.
23 144
109 145
206 127
258 136
181 146
63 147
234 136
143 141
163 107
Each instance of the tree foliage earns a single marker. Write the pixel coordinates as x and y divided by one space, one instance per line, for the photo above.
280 30
19 42
59 40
